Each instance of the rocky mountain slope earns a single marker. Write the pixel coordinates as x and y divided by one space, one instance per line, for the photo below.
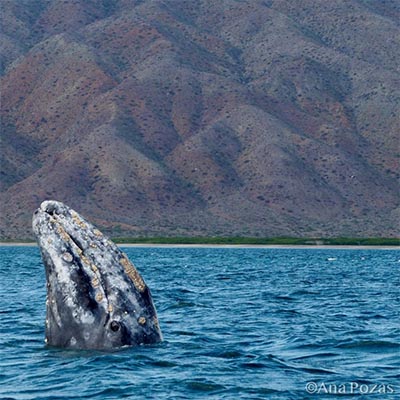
201 117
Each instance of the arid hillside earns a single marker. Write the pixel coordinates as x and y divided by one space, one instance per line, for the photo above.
201 117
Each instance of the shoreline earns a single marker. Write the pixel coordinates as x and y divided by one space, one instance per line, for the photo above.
232 246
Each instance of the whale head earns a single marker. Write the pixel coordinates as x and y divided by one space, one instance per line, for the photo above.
96 299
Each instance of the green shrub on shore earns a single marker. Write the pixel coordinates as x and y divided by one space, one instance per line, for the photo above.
236 240
261 241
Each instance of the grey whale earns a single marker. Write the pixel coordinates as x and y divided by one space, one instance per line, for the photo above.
96 298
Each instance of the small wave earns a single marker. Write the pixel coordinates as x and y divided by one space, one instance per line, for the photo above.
289 312
284 298
184 333
204 386
184 290
253 365
260 393
369 344
223 278
303 292
228 354
311 370
115 392
315 355
304 368
164 364
182 304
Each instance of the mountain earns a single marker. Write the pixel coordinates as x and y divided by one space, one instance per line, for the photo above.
201 117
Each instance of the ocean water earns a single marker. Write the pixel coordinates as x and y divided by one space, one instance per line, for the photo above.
237 324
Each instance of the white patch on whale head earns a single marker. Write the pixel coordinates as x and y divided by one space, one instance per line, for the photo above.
67 257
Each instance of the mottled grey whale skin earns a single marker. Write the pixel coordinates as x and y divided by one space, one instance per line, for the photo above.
96 299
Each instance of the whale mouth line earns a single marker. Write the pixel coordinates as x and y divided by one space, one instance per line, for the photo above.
76 243
67 236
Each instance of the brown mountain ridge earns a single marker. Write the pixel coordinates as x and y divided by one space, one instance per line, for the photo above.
251 118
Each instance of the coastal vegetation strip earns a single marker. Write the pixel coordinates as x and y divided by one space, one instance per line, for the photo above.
261 241
219 240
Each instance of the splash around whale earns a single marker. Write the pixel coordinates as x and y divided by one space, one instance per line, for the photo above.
96 298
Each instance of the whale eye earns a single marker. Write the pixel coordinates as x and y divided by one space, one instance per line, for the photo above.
114 326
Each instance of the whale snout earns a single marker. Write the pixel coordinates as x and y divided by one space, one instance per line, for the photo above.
49 207
53 208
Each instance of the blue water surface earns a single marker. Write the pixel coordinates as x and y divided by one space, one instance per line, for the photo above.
242 323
